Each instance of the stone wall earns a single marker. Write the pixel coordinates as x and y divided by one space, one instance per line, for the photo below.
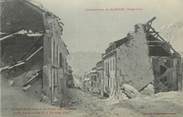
109 74
55 60
133 62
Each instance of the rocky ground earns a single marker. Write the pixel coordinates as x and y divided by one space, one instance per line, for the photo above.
16 103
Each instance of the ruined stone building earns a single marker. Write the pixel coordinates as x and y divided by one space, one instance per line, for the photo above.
31 38
143 57
166 62
93 80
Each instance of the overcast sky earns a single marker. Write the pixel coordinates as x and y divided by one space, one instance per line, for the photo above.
94 30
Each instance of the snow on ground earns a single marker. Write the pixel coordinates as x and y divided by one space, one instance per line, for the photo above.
16 103
169 104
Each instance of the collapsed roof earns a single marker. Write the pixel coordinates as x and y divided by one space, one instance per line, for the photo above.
158 46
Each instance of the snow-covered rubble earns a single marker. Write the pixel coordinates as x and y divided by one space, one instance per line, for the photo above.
130 91
86 105
148 90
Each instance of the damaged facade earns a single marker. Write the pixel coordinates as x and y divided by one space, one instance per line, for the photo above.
31 39
143 57
166 62
93 81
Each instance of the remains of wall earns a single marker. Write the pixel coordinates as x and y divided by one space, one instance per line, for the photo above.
55 61
133 62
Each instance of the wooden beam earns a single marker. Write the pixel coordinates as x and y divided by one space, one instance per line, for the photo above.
34 53
22 33
154 45
161 38
16 65
13 66
32 78
8 36
151 20
156 42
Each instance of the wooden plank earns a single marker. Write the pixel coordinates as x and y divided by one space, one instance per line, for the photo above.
151 20
34 53
156 42
4 68
16 65
19 63
31 79
13 66
10 35
161 38
22 33
6 37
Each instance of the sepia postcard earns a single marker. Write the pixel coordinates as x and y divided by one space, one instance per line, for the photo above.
91 58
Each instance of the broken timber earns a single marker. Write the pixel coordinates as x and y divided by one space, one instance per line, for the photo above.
32 78
8 36
34 53
22 33
19 63
150 29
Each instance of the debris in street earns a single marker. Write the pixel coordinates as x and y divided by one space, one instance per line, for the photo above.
130 91
25 88
148 90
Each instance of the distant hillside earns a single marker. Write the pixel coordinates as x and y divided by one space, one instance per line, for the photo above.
82 62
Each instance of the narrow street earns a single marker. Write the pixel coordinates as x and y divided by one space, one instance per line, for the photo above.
15 100
17 103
